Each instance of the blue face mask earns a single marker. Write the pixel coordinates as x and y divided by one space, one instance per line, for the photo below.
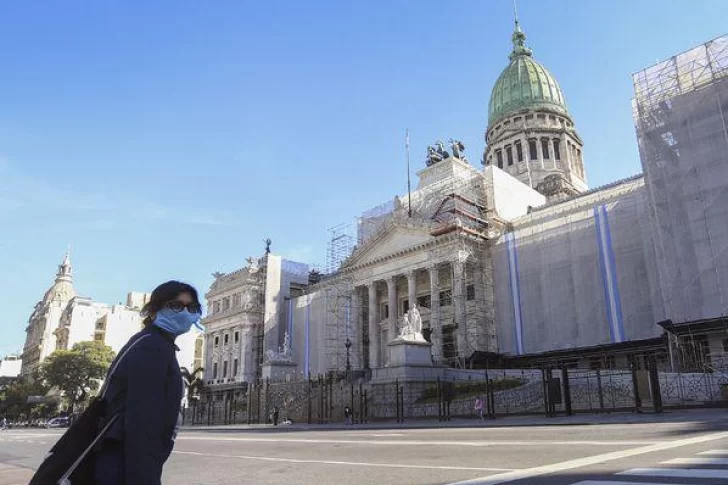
176 323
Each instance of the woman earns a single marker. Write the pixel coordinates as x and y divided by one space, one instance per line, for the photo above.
146 391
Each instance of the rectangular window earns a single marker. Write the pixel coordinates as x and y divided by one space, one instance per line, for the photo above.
237 337
545 148
385 311
424 301
216 307
214 370
519 151
405 306
224 369
499 156
217 341
446 298
509 155
226 303
532 151
470 290
235 367
557 149
236 300
226 339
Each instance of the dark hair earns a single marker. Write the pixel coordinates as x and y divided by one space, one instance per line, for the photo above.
163 294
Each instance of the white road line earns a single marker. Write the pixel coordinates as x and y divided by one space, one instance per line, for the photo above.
676 472
347 463
421 442
611 482
589 460
714 453
696 461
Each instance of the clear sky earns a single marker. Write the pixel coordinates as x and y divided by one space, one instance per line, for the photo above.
167 139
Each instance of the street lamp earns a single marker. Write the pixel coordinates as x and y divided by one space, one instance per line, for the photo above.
348 355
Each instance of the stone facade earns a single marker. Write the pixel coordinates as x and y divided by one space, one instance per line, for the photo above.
62 319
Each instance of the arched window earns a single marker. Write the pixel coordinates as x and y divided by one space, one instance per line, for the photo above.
532 151
499 157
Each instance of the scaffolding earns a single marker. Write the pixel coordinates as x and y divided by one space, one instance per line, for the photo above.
681 119
680 111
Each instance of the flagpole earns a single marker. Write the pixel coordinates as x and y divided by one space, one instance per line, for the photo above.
409 192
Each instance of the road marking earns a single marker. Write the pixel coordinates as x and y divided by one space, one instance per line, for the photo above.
610 482
696 461
422 442
347 463
714 453
589 460
676 472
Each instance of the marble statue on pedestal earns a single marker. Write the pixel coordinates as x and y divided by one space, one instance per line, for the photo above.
411 327
284 352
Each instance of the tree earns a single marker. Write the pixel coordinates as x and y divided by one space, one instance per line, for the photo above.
193 381
14 398
78 370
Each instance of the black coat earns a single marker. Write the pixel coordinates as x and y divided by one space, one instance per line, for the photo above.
146 389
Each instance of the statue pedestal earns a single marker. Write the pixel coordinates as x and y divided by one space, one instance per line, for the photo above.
409 352
279 370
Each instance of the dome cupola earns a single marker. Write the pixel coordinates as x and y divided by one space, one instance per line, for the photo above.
524 84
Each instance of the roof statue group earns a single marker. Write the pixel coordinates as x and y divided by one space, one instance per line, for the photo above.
437 153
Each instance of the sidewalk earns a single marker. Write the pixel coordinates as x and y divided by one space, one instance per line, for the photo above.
14 475
707 416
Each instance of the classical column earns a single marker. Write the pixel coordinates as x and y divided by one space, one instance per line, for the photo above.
375 336
356 352
435 324
567 151
392 299
539 151
458 300
412 288
550 148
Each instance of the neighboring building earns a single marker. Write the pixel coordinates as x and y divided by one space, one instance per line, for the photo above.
10 366
520 263
62 319
247 310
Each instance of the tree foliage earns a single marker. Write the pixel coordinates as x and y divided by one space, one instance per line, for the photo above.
78 370
14 397
193 381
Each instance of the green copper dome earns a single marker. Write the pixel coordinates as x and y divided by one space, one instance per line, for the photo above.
524 84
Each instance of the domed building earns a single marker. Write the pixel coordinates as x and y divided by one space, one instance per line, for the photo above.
530 133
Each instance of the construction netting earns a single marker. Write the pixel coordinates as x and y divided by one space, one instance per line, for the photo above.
576 274
681 119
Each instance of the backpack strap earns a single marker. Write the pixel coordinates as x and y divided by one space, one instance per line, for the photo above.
102 392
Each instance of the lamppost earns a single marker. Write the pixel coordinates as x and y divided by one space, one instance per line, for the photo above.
348 355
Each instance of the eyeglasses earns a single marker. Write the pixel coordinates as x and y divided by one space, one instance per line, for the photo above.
178 306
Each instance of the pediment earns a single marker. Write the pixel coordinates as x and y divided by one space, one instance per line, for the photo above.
395 239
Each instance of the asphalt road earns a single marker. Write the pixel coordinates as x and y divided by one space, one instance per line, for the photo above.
694 453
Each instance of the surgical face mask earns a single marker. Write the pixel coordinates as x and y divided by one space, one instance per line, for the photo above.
176 323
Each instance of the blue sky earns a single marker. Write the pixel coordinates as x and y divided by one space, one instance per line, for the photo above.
167 139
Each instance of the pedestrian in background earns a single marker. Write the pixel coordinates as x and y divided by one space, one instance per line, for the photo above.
347 415
479 406
146 392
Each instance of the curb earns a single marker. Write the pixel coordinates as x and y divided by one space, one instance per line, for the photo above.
486 424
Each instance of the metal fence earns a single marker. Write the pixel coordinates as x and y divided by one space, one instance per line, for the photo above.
547 391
